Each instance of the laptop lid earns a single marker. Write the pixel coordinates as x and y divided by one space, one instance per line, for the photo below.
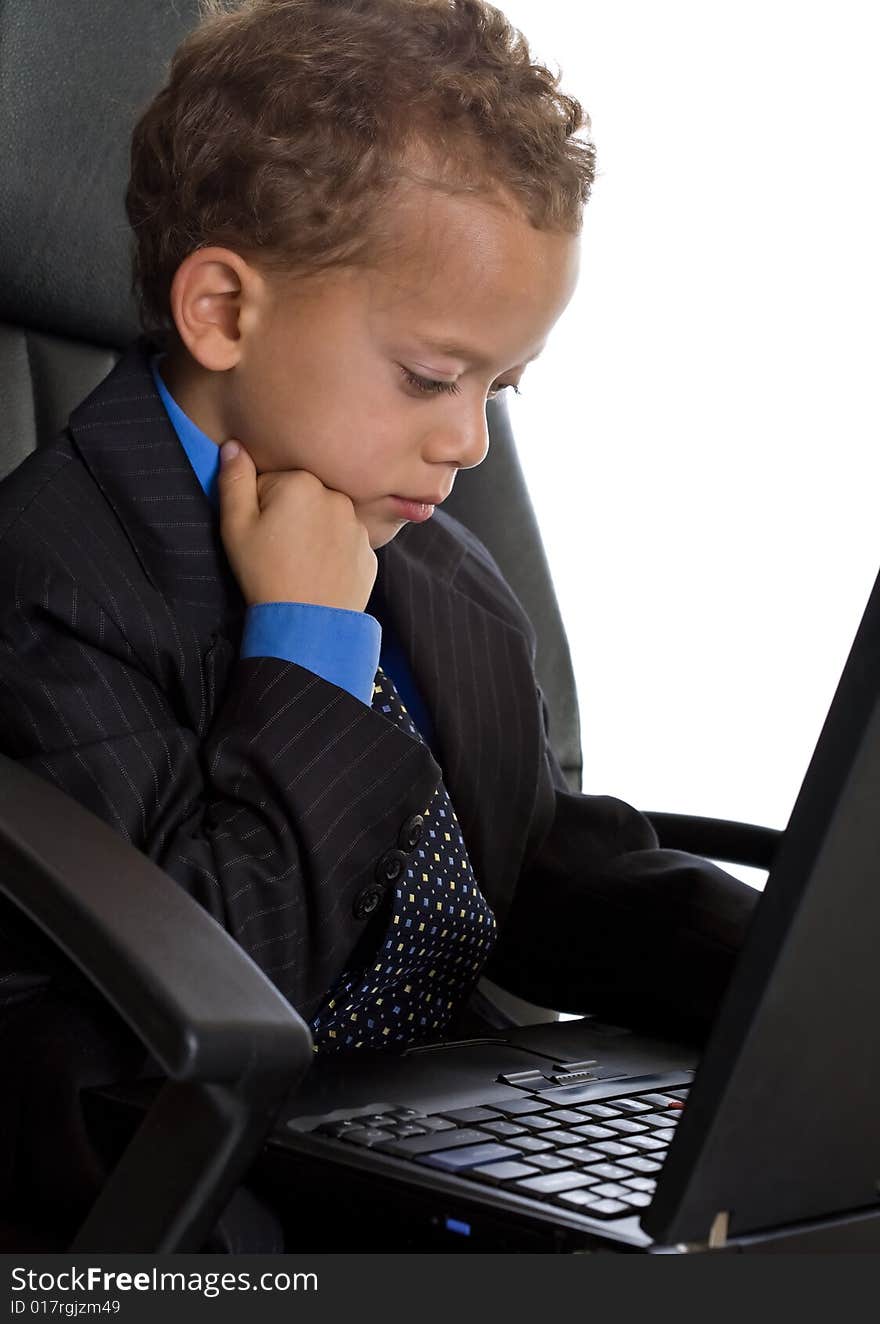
783 1120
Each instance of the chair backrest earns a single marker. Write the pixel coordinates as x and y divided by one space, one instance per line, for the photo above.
73 79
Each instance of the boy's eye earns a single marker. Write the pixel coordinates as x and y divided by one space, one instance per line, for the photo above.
428 385
432 387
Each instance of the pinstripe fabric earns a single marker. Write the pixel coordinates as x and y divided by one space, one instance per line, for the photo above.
272 795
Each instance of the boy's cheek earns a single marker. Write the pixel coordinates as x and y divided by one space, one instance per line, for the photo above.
276 458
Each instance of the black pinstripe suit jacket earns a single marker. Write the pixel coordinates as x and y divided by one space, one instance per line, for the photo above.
271 794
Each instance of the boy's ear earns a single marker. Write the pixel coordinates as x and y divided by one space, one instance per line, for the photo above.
214 294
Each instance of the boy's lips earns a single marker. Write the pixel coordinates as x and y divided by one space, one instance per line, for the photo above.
416 511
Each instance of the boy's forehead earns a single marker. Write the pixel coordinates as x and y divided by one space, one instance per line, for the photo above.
459 260
447 244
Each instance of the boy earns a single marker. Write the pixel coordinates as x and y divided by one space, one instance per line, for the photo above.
291 679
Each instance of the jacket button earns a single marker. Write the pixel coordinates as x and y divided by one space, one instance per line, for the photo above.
391 866
411 833
367 901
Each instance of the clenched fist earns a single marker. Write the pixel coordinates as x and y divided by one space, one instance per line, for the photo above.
291 539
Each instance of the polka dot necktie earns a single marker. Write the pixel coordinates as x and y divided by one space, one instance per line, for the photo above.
439 935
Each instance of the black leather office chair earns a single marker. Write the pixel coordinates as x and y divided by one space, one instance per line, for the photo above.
72 79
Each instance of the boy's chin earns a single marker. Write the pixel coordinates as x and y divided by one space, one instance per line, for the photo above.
383 531
381 537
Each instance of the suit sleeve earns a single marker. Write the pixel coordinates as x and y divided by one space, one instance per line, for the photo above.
276 817
605 921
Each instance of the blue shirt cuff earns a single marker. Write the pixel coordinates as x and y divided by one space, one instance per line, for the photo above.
341 646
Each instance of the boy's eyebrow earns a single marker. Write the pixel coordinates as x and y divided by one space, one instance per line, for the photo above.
464 352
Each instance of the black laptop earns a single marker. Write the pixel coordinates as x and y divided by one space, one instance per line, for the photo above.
580 1136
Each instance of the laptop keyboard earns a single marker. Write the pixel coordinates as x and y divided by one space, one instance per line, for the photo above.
600 1159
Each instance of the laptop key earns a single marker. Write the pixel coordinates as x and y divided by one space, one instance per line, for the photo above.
503 1128
507 1170
659 1119
429 1144
591 1131
646 1143
665 1136
639 1199
560 1137
452 1160
538 1123
608 1171
633 1105
616 1148
337 1129
575 1199
409 1129
564 1115
640 1164
371 1135
612 1190
624 1126
435 1124
662 1100
530 1144
581 1154
606 1209
641 1184
551 1182
517 1107
551 1162
471 1115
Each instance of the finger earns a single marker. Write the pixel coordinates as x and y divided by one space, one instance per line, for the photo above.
237 486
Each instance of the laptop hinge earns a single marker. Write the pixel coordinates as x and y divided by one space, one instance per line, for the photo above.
717 1239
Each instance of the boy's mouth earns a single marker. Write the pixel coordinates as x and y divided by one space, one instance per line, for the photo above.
415 511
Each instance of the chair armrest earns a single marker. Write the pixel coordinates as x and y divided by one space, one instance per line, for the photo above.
204 1010
717 838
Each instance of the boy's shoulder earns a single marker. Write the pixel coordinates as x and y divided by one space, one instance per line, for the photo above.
32 479
56 522
65 491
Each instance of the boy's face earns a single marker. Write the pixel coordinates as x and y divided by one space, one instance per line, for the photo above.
337 374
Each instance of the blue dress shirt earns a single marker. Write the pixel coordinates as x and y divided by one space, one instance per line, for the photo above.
344 647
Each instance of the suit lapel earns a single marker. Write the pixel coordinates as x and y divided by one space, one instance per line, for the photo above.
475 672
132 451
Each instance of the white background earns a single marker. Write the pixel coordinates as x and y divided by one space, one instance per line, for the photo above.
700 437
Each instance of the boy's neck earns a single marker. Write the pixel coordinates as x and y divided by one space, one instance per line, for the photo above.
194 389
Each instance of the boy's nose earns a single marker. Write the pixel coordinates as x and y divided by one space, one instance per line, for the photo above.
461 439
472 441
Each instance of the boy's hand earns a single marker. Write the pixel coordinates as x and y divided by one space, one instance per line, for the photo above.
291 539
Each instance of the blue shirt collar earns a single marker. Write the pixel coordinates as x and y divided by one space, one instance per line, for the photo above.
202 453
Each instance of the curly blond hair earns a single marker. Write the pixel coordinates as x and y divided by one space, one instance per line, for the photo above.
285 124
